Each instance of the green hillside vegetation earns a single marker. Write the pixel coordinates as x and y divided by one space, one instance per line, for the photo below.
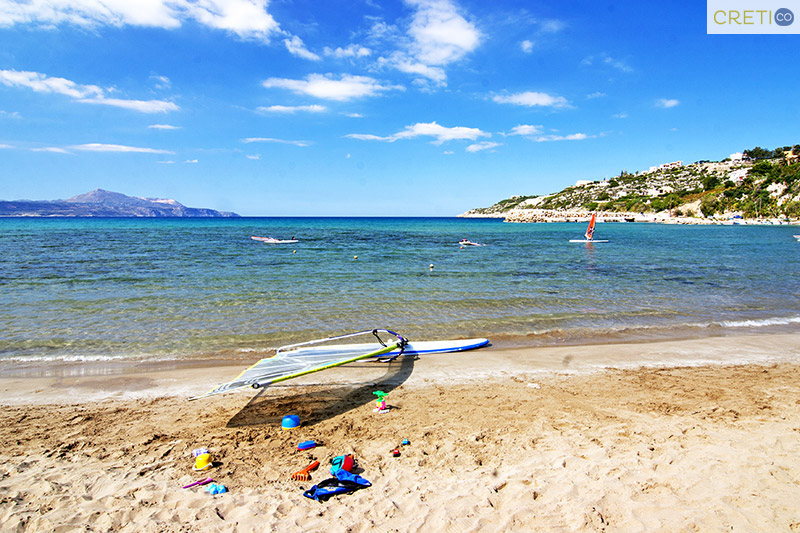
765 184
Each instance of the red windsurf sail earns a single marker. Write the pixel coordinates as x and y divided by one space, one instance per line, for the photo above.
590 229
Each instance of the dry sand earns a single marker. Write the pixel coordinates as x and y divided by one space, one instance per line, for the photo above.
500 440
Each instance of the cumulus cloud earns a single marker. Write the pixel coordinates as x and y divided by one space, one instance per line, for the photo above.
441 35
526 46
532 99
351 51
347 87
666 103
296 47
88 94
248 19
437 36
272 140
98 147
525 130
485 145
441 134
293 109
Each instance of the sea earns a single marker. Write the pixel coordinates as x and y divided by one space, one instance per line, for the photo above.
131 289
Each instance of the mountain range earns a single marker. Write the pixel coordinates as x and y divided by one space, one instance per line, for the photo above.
102 203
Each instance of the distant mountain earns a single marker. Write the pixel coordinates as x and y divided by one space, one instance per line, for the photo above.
102 203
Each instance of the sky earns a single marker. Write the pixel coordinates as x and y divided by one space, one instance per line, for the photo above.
372 107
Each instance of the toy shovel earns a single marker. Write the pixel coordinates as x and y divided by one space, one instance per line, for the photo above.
302 475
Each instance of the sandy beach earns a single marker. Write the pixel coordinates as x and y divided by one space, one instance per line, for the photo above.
687 435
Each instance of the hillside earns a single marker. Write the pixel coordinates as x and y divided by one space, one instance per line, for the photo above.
101 203
756 184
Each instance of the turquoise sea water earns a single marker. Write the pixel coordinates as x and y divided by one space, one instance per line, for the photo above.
97 289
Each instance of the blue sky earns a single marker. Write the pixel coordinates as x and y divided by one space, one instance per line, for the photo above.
367 107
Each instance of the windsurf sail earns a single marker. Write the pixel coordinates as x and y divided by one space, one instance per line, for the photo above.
590 230
305 358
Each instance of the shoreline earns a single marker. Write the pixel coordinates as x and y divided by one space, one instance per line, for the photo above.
71 383
506 439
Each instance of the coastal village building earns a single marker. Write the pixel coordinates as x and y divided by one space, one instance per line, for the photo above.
674 164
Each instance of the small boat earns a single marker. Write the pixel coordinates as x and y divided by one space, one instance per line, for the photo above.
272 240
467 242
589 235
796 237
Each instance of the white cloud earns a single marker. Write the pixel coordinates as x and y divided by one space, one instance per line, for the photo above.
248 19
191 161
296 47
5 147
532 99
52 149
12 114
525 129
666 103
526 46
326 87
143 106
353 115
441 134
89 94
254 157
407 65
293 109
485 145
571 137
163 127
441 35
597 94
161 82
353 50
42 83
271 140
605 60
97 147
437 36
620 115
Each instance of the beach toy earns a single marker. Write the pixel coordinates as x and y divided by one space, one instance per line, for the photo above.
405 442
396 452
302 475
202 462
307 445
290 422
342 462
205 481
216 488
380 401
199 451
